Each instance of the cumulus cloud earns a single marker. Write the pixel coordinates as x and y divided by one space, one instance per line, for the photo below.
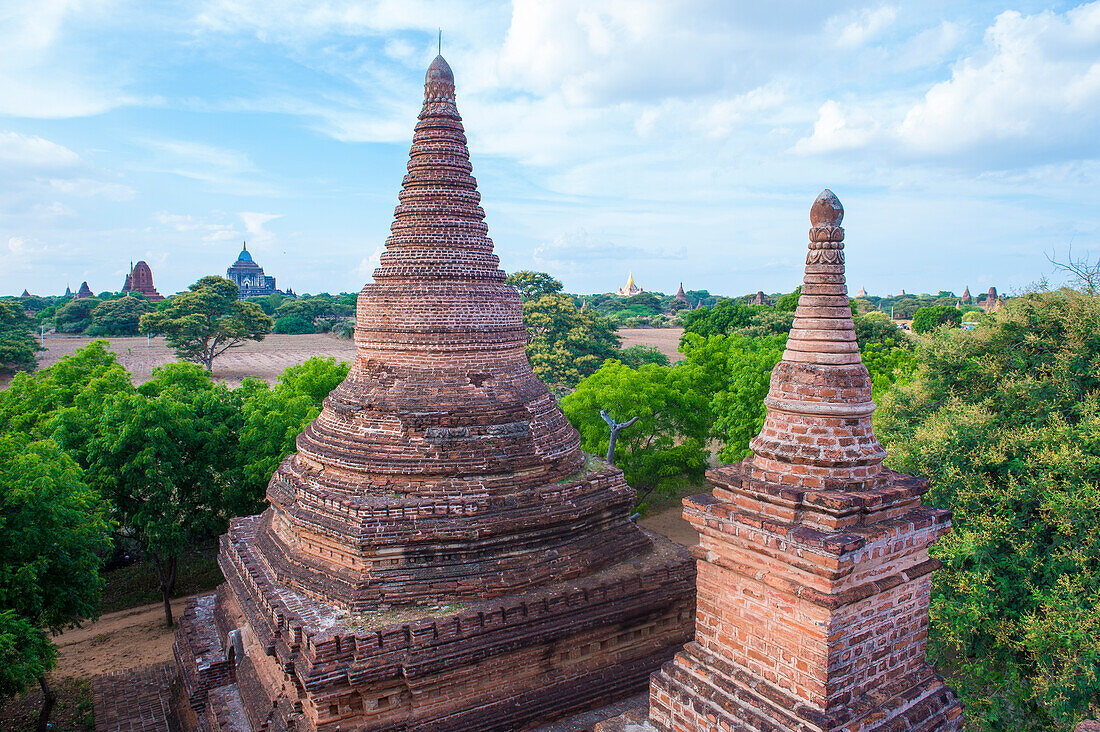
254 224
1035 83
32 151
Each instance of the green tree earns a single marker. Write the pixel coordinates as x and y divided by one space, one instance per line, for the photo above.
164 457
119 317
1004 421
722 319
293 325
272 419
789 302
639 355
206 321
533 285
76 315
564 344
666 446
17 343
929 318
53 532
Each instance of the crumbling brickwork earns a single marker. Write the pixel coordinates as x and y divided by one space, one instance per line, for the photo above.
438 554
813 568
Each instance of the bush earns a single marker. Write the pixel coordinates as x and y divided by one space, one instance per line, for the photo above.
293 325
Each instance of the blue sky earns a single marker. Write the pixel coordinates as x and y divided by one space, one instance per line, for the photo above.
682 140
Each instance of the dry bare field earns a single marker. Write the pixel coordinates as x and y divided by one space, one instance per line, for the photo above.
665 340
268 358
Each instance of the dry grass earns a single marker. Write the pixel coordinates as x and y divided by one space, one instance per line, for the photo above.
666 340
266 359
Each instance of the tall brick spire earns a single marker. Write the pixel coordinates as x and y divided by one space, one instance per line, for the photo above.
438 553
814 579
818 433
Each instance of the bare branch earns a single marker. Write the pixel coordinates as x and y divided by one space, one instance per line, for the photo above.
1085 273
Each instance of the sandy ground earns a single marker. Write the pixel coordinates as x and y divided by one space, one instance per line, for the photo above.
117 641
666 340
267 359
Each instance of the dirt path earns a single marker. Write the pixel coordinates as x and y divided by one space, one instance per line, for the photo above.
117 641
670 522
665 340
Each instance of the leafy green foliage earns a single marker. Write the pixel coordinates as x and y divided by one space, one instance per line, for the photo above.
930 318
165 457
76 315
563 343
639 355
206 321
17 343
53 531
272 418
1004 420
119 317
293 325
789 303
725 317
666 445
533 285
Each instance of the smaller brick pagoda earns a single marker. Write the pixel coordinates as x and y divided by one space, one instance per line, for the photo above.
813 570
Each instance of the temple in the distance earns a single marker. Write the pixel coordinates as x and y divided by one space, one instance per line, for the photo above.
629 289
140 279
249 276
438 554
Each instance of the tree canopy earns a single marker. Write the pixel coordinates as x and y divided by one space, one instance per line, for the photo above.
929 318
564 344
119 317
17 343
1004 420
207 321
533 285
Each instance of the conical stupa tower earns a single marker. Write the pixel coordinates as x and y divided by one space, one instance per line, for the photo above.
814 576
439 554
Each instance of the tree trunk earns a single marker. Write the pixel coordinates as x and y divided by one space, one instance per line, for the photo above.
166 572
615 427
48 699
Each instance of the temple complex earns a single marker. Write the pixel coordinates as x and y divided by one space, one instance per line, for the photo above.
759 298
249 276
814 577
966 298
681 296
84 291
439 554
862 292
140 280
992 302
629 289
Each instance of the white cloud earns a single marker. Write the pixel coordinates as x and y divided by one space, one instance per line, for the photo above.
868 25
835 130
254 223
1036 83
88 187
34 152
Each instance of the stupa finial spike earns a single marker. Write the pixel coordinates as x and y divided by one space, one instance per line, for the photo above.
439 48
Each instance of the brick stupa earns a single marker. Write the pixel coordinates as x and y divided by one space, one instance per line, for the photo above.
814 576
439 554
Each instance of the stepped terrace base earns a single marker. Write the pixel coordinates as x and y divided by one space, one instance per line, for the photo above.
509 663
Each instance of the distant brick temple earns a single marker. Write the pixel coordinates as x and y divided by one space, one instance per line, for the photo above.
439 554
814 576
140 280
681 296
84 291
249 276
